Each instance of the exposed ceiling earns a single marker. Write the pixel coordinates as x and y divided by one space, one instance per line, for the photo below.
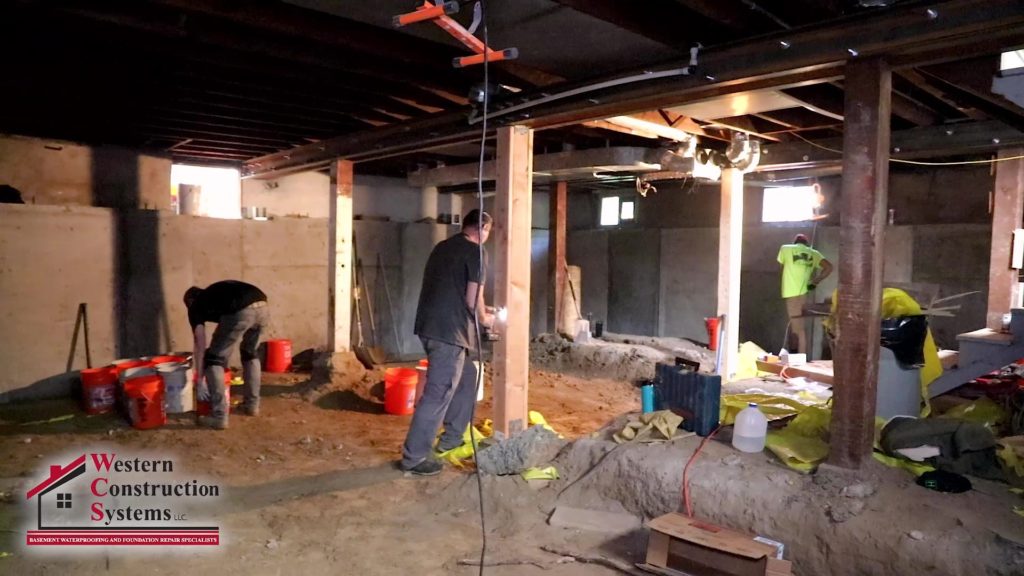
224 81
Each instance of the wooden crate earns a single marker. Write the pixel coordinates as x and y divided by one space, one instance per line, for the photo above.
680 545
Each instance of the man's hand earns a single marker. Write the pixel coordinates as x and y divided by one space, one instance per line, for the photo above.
811 286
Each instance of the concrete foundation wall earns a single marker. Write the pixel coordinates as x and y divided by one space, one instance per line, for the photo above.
307 194
132 267
63 173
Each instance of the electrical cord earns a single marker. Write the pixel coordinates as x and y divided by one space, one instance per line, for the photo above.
686 471
480 276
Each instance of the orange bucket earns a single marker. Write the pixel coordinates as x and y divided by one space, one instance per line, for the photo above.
154 360
145 398
279 355
421 377
711 324
99 389
400 390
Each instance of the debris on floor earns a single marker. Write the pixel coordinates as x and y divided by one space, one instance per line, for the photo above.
535 447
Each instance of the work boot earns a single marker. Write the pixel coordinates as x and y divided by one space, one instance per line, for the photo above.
213 422
250 409
429 467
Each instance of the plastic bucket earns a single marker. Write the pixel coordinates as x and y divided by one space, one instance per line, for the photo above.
178 390
99 389
279 355
165 358
145 398
203 406
711 324
400 390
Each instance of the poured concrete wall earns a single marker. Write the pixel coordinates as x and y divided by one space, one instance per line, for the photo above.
131 268
57 172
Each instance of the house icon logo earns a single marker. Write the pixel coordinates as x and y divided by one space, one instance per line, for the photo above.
104 498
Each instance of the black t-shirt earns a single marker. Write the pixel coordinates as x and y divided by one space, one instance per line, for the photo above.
442 313
220 298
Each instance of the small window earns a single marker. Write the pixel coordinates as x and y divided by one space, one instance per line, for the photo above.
627 211
1012 60
793 204
610 211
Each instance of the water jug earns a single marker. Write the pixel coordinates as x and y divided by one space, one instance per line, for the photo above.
751 428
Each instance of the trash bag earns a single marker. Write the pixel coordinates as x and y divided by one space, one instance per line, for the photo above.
905 336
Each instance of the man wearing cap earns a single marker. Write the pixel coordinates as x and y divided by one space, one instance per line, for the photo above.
803 268
452 293
240 311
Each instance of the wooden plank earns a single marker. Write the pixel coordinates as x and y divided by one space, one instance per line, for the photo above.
817 371
682 527
862 240
512 213
339 275
556 253
730 257
1007 214
657 548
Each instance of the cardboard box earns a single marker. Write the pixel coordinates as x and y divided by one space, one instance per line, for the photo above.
682 545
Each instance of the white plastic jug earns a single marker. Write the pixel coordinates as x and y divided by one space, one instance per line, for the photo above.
751 428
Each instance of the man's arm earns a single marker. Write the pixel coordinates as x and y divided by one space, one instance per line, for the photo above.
475 300
825 269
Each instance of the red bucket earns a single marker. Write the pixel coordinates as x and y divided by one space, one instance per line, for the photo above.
99 389
145 399
279 355
712 326
400 390
203 406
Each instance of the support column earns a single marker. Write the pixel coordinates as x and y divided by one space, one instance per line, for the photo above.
339 254
1007 214
730 257
861 243
512 213
556 254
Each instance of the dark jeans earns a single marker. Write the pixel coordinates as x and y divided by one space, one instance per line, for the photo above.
244 326
448 399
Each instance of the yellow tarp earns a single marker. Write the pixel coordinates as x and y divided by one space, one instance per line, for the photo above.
896 302
982 411
747 361
803 443
773 406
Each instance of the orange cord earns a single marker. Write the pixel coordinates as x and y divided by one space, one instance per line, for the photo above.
686 471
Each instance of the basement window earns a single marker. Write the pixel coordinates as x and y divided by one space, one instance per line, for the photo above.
792 204
628 210
1012 61
610 211
206 191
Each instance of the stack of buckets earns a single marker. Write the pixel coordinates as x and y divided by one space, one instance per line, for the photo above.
403 387
145 390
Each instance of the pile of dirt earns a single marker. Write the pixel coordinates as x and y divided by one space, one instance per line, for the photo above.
616 357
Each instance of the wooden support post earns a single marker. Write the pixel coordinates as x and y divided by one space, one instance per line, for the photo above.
730 257
339 254
861 242
556 254
1007 214
512 212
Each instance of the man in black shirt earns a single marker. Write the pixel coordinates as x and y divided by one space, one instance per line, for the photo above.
452 292
240 311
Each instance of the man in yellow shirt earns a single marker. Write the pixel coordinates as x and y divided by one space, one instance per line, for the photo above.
803 268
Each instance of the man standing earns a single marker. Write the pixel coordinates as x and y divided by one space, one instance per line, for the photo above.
240 311
452 293
803 268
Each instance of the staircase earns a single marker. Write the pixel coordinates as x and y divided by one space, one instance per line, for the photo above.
981 352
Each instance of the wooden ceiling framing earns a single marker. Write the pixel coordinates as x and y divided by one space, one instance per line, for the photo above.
226 81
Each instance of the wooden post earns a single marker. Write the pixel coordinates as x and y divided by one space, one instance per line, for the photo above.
512 212
1007 214
339 254
730 257
556 254
861 242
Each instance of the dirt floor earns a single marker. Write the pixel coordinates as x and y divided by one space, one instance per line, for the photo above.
311 489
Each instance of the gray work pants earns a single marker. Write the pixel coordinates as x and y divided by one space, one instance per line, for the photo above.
244 326
448 399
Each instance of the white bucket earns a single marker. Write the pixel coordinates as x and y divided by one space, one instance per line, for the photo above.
178 390
136 372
